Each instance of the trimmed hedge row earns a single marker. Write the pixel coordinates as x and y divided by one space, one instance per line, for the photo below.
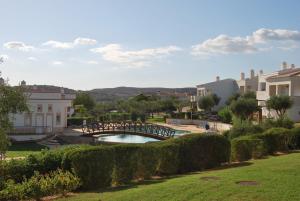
49 160
102 166
269 142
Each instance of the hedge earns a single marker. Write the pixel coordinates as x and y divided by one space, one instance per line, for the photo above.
247 147
295 139
125 163
276 139
94 166
77 121
198 152
105 165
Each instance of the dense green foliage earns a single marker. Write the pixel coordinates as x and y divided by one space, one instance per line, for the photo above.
100 166
225 114
207 102
38 186
246 147
84 99
243 108
278 179
280 104
12 100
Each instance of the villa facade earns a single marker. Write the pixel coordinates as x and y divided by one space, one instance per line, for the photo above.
248 84
283 82
49 108
222 88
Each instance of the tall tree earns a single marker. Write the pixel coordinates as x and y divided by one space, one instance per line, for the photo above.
12 100
83 98
280 104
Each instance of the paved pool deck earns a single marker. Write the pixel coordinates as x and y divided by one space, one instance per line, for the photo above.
190 128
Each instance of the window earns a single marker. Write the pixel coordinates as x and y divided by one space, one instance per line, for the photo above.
39 108
58 119
50 108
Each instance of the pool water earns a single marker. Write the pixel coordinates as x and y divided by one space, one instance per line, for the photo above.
127 138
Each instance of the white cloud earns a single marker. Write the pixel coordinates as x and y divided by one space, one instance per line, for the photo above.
92 62
224 44
32 58
17 45
264 35
69 45
139 58
57 62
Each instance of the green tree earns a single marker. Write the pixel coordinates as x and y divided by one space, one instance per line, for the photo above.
243 108
216 99
233 98
280 104
225 114
83 98
206 103
12 100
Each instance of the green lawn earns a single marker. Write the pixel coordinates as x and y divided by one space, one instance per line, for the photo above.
156 119
278 180
23 150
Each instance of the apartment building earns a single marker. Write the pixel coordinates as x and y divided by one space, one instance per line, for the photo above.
283 82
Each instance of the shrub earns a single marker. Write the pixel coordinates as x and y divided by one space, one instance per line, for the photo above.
244 128
225 115
168 158
77 121
147 161
125 166
295 139
93 166
246 147
38 186
278 123
276 139
201 151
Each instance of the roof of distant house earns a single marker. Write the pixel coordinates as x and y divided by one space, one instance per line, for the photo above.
47 89
286 73
217 81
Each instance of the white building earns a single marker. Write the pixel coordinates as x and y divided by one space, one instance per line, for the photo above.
248 84
49 108
222 88
283 82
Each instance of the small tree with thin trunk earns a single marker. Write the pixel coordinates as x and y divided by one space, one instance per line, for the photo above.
243 108
280 104
206 103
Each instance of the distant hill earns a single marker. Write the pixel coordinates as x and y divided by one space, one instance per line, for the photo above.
110 94
118 93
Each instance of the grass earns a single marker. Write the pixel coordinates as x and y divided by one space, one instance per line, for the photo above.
23 150
156 119
278 179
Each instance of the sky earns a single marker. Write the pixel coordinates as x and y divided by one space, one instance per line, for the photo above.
144 43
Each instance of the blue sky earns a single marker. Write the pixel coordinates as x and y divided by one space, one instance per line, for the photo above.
96 44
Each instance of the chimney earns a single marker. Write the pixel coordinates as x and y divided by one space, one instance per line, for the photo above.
23 83
261 72
2 81
292 65
242 76
252 75
284 65
218 78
